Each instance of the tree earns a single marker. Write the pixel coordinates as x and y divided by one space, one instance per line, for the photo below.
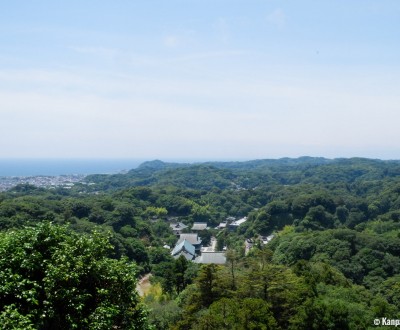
164 273
158 212
124 215
317 218
277 285
232 257
180 267
207 283
205 236
52 278
247 314
220 243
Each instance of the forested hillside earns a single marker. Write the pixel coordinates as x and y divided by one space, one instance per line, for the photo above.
333 261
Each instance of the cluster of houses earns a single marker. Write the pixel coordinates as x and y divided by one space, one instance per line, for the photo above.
263 240
231 223
190 246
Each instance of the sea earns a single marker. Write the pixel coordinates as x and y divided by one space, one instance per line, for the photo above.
55 167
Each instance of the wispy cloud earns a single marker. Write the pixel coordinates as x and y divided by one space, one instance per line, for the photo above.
190 79
82 114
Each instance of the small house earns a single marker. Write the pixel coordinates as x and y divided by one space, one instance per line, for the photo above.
199 226
192 239
177 228
217 258
184 248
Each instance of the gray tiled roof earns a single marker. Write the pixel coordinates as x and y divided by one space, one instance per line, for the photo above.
211 258
199 226
187 256
183 246
191 238
178 226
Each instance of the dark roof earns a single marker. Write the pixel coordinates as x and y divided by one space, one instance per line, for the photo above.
187 256
191 238
184 246
178 226
211 258
199 226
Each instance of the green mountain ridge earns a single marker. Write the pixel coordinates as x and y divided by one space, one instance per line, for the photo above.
333 261
250 174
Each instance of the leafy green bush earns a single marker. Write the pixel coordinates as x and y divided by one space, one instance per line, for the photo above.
52 278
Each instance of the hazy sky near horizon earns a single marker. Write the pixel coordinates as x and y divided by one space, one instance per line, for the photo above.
209 79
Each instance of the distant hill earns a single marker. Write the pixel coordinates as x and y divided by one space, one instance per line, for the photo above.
157 165
250 174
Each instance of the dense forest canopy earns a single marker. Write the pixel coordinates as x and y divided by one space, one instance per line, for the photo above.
333 261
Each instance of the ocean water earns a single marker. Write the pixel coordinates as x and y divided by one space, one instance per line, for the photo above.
53 167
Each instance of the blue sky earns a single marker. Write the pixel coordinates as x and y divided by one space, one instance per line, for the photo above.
199 79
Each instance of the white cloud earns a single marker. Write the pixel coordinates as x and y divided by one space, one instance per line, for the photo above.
46 113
